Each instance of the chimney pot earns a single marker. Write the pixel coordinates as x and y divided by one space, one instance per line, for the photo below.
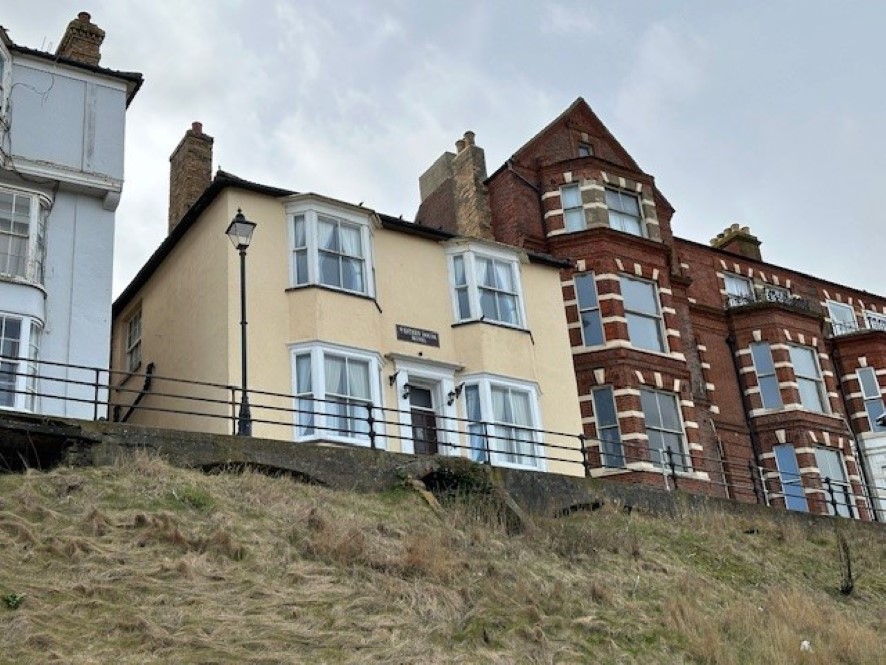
82 40
460 145
197 127
469 137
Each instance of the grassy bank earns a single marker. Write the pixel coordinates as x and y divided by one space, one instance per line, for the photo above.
146 563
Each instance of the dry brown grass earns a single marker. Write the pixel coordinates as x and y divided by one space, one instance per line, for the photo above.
145 563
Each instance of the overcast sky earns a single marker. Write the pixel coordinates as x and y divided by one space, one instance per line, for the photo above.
769 114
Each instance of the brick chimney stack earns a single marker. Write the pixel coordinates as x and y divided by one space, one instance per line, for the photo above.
454 196
738 240
82 40
190 172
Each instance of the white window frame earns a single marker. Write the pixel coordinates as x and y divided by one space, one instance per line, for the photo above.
532 458
658 317
873 399
23 365
841 325
817 380
440 379
767 376
311 211
317 352
739 289
589 307
35 258
684 463
134 341
470 254
874 320
574 218
621 193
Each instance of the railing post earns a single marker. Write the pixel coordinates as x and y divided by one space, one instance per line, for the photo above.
762 472
670 454
370 421
582 442
233 409
830 490
486 450
849 501
95 394
753 477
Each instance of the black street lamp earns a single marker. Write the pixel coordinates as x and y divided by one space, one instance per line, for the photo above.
240 232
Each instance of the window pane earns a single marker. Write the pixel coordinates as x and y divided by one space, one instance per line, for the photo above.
789 474
300 239
803 360
574 219
571 196
301 266
650 409
586 290
669 412
592 328
604 407
458 265
762 355
464 303
487 305
770 393
358 379
352 274
329 269
867 379
810 394
507 307
639 296
644 332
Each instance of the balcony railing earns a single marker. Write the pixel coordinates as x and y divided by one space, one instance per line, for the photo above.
200 406
769 295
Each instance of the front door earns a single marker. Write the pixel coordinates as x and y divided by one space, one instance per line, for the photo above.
424 420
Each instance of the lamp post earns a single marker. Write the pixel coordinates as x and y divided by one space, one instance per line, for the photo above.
240 232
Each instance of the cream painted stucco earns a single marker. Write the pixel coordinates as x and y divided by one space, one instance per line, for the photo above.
191 325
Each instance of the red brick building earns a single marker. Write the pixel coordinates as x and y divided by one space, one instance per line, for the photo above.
698 366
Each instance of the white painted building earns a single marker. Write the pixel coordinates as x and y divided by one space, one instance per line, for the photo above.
62 120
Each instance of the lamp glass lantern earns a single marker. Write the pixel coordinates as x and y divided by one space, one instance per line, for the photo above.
240 231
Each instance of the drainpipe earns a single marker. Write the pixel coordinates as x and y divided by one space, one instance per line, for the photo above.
541 206
755 442
861 461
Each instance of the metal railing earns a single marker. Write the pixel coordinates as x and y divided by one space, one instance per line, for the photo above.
164 401
769 295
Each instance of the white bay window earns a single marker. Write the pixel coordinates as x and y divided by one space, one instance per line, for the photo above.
486 287
503 422
334 387
19 349
331 248
22 235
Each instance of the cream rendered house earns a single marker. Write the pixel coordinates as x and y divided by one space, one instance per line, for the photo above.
448 337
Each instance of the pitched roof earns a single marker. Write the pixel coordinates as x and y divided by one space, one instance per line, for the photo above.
220 182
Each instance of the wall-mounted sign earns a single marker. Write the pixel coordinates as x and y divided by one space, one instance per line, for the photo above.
417 335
